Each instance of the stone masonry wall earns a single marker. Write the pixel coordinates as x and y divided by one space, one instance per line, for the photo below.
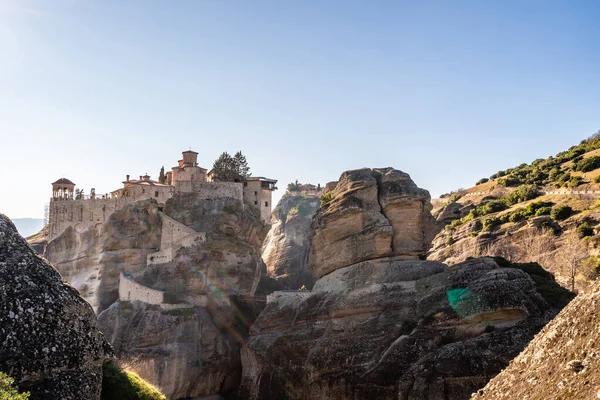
82 214
218 190
174 236
130 290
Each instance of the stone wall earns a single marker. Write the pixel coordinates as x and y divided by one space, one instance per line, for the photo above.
130 290
82 214
174 236
218 190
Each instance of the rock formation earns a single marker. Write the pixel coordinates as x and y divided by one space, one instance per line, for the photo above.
372 214
285 250
561 362
49 342
184 334
380 322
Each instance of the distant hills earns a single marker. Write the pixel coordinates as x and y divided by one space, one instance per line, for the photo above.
28 226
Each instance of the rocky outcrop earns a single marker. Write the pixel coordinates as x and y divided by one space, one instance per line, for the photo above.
396 329
182 350
561 362
285 250
372 213
382 323
91 259
49 342
205 275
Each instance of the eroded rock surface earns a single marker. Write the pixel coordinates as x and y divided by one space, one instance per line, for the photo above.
285 250
561 362
182 350
395 329
49 342
380 322
372 213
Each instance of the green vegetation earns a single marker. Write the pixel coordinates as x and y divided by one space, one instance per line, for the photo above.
326 198
561 212
231 169
551 170
293 187
7 392
585 229
523 193
489 224
449 241
118 384
556 295
302 208
481 181
587 164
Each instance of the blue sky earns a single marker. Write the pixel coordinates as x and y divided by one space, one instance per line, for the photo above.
448 91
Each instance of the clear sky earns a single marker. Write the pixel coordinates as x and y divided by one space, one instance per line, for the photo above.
448 91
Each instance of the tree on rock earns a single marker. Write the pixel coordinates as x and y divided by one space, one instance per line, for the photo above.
161 176
231 169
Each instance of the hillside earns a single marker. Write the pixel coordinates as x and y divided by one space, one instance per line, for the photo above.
560 362
547 211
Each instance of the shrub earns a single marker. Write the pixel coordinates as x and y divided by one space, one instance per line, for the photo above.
326 198
543 211
493 206
585 229
126 385
561 212
481 181
7 392
587 164
509 181
597 179
449 241
575 181
532 208
474 234
522 193
490 223
518 215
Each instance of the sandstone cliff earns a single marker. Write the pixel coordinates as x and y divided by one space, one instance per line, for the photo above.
561 362
380 322
184 334
49 342
285 250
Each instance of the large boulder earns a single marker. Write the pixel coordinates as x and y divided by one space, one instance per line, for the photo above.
392 328
371 213
49 341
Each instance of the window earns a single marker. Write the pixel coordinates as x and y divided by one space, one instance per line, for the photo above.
255 202
155 194
245 183
266 204
143 190
256 193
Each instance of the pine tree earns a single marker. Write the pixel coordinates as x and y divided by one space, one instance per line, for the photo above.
231 169
241 165
161 176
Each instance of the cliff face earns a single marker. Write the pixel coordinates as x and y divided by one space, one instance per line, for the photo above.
561 362
207 268
49 342
285 250
380 322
